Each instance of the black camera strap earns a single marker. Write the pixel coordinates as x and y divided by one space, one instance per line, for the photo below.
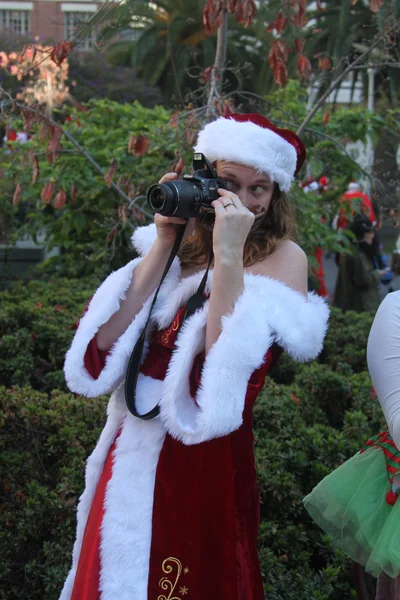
194 303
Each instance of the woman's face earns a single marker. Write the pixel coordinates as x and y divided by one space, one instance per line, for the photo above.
255 190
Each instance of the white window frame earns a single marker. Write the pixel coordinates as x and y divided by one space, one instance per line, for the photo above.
73 13
10 11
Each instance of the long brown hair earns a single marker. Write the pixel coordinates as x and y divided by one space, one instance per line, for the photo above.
276 225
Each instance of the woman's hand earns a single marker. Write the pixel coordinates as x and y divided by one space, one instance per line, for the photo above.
167 227
232 226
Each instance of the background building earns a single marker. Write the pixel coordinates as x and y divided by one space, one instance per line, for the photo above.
52 19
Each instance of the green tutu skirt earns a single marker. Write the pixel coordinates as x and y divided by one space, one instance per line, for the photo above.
357 506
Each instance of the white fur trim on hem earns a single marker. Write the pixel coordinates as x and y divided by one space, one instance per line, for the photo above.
116 411
249 144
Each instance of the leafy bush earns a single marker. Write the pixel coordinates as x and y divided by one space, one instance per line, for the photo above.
37 323
44 442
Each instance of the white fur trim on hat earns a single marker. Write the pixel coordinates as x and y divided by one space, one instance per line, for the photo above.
353 186
249 144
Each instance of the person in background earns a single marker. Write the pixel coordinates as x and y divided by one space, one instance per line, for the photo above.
357 284
355 201
357 504
394 285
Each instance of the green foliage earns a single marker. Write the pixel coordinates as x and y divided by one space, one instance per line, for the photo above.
346 339
44 443
37 323
95 227
307 420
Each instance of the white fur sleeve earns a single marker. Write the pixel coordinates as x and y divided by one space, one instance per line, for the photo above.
383 355
103 305
266 312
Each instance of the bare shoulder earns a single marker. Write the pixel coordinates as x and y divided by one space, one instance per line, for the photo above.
288 264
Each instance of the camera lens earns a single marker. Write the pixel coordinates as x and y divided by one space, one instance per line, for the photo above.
162 198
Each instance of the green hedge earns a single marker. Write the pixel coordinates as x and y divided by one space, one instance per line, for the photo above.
308 419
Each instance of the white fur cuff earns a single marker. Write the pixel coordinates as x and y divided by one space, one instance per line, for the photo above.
267 312
103 305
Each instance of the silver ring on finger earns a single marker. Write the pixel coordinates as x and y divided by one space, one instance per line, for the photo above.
226 204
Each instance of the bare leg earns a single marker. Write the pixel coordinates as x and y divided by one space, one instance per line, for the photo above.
388 588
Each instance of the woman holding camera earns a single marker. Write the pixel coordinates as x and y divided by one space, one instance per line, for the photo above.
170 508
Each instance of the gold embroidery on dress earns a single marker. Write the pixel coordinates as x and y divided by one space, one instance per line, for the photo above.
175 324
169 586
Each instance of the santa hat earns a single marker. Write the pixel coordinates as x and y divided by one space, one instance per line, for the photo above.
353 186
252 140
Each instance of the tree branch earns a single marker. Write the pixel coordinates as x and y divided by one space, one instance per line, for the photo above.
342 75
73 141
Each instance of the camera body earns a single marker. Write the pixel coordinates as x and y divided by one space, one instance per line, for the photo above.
185 197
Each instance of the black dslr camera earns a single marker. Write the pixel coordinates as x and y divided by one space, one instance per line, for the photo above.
185 197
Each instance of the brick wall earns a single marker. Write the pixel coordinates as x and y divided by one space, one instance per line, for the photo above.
47 16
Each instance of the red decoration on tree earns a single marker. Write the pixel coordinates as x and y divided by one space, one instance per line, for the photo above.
326 117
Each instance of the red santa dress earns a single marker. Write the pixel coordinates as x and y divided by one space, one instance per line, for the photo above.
170 508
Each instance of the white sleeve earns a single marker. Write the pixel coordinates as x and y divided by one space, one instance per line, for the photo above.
383 355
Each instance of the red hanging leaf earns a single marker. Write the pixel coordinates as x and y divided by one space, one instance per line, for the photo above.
130 189
375 5
279 24
299 45
55 137
300 19
206 75
246 11
325 64
353 2
60 199
60 52
74 192
137 214
44 131
28 118
320 7
179 165
173 122
47 192
123 211
303 67
109 176
17 194
35 168
326 117
212 15
280 73
138 145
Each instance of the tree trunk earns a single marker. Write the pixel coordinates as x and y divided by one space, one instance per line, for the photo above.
217 72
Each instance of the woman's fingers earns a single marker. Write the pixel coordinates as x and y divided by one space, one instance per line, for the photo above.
168 177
